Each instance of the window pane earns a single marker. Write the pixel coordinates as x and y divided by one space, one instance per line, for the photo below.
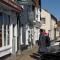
5 22
1 22
6 29
1 19
8 22
8 37
5 19
43 20
4 35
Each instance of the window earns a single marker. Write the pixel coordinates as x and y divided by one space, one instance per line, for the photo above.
4 21
1 19
43 20
6 29
1 22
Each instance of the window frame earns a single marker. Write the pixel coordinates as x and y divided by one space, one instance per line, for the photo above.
7 29
43 20
1 30
6 43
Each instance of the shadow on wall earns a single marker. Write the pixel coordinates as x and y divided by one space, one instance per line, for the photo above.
23 47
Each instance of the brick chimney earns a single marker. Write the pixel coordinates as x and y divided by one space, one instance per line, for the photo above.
37 3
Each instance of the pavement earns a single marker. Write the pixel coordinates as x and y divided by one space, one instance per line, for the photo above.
29 54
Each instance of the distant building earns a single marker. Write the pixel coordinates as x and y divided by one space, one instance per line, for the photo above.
37 21
58 29
48 23
30 22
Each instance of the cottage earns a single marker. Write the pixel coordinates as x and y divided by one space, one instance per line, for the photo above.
8 26
49 23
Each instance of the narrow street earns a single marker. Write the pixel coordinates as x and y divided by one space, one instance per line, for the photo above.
23 23
30 54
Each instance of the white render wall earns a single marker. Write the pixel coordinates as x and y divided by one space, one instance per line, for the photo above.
37 26
57 33
52 28
13 21
49 25
37 14
36 35
21 36
47 17
27 29
11 36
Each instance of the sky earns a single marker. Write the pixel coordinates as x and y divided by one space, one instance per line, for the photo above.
53 6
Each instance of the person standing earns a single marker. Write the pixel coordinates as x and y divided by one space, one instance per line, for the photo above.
41 42
47 40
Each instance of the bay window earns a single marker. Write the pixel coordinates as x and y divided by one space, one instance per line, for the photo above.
4 21
1 22
6 29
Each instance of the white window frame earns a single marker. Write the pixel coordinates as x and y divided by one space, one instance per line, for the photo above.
3 30
6 31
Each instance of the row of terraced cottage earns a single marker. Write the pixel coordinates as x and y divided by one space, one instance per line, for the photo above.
20 22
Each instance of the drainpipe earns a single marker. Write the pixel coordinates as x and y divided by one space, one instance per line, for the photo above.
14 39
40 8
18 38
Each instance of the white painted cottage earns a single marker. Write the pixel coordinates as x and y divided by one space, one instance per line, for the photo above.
8 26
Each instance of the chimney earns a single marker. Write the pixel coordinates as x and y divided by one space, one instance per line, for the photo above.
37 3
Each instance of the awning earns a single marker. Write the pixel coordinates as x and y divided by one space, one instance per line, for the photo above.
15 7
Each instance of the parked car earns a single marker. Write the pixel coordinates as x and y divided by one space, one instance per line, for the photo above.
53 52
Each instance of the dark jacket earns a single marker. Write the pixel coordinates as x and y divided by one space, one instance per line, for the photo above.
47 40
41 42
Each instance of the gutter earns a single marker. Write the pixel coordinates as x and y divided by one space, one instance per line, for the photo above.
15 7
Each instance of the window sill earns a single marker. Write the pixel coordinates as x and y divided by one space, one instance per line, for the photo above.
5 48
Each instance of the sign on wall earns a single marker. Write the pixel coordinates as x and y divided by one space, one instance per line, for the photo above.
22 0
25 1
